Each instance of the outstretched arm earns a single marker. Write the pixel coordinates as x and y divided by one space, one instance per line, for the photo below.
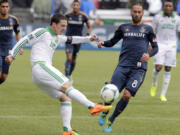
109 43
77 39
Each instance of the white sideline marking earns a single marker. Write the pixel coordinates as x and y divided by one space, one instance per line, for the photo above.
85 117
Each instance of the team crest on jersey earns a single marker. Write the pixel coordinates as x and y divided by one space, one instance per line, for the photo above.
56 41
127 29
142 30
70 18
80 18
11 22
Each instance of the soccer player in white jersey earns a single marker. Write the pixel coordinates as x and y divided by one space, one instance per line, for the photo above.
166 26
44 42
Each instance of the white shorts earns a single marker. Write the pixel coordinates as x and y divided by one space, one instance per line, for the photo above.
49 79
166 55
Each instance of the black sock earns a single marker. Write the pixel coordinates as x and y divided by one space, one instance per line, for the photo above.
121 105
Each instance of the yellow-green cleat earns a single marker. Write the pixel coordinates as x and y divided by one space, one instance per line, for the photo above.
153 91
163 98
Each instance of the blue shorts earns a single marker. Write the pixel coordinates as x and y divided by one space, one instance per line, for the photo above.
4 66
74 49
129 78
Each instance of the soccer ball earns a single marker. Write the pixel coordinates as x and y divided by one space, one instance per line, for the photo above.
109 93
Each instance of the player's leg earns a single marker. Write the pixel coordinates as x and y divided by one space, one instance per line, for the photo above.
120 106
132 86
69 57
58 81
42 80
159 60
117 79
165 83
4 69
155 77
75 54
82 99
170 62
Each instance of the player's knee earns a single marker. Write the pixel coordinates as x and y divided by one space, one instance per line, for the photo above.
126 95
65 86
158 68
167 68
65 98
70 57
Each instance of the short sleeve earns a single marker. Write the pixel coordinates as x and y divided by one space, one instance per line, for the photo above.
16 26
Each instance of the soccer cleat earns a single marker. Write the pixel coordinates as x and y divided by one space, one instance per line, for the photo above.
99 108
70 133
163 98
102 119
153 91
108 127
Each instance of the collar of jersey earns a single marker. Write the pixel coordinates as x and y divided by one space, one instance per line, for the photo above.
50 30
172 15
4 17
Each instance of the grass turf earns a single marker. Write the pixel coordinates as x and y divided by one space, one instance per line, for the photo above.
26 110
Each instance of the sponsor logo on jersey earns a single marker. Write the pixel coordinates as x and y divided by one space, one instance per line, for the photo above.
6 28
133 34
142 30
30 36
173 21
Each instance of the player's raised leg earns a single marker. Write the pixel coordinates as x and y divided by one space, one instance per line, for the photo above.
121 105
81 98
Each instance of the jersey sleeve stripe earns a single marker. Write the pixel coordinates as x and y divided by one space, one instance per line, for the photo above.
40 32
19 47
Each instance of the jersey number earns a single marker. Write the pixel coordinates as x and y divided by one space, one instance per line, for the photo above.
134 84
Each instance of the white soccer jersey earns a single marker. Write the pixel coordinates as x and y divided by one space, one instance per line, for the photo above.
44 42
166 28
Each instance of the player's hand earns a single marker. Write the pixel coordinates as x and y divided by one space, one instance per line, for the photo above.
9 59
21 51
100 44
145 57
94 38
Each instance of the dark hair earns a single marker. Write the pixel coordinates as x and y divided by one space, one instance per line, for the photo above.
168 1
3 1
137 3
56 18
76 1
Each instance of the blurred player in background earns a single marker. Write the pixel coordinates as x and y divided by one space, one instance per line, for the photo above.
166 25
131 69
76 20
8 24
44 42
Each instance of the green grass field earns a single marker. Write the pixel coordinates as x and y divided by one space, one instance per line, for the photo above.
26 110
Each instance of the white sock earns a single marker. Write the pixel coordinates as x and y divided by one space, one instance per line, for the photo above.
66 114
166 81
155 77
79 97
